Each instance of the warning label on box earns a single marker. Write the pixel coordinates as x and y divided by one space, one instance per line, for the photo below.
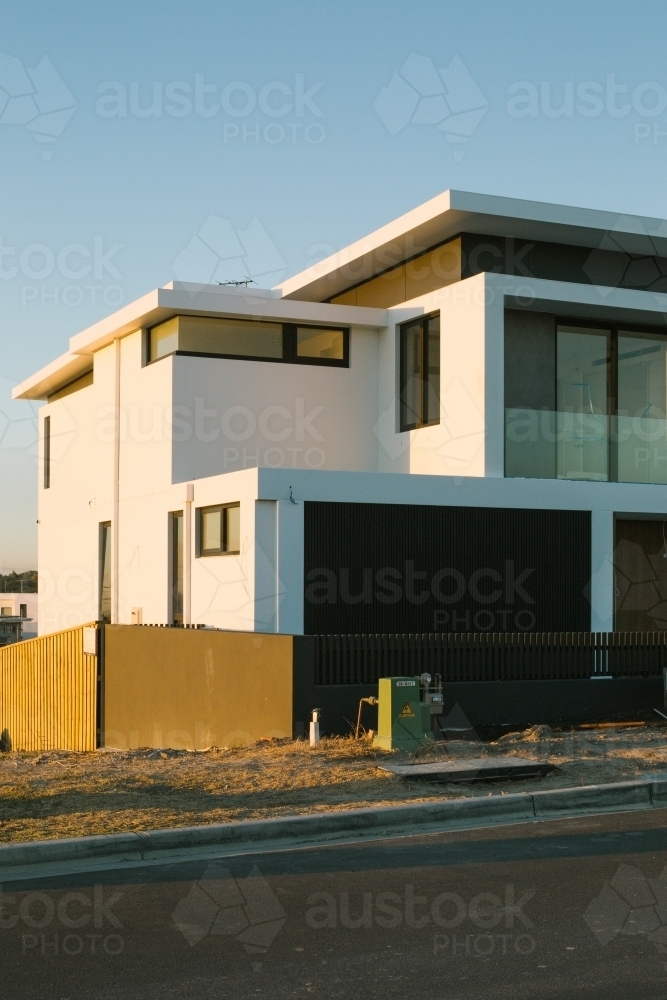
406 712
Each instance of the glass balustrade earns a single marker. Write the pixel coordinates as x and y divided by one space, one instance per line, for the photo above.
547 444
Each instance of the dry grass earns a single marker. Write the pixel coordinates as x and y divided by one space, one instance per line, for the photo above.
62 794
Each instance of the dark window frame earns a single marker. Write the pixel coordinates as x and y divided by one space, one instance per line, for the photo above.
612 327
104 541
290 356
406 424
176 554
201 552
47 452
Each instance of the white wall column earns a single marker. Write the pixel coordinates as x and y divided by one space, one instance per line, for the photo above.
267 590
187 552
494 378
115 526
602 571
290 565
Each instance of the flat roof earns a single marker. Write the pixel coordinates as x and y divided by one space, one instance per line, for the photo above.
185 298
302 297
454 212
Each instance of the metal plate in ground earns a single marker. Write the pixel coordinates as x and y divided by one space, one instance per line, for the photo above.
475 769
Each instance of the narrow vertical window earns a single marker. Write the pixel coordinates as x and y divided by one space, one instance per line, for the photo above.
105 572
420 373
47 452
177 567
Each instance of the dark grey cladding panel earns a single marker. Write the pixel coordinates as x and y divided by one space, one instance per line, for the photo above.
530 360
403 568
608 265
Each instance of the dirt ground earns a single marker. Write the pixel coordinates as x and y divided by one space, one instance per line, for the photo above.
64 794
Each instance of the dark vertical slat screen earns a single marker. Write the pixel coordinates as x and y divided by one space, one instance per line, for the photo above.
364 658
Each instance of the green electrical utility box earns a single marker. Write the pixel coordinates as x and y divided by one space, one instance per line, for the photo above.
404 721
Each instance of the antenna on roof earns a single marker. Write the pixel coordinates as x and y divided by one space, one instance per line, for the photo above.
239 284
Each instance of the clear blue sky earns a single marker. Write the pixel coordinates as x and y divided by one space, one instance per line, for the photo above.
319 167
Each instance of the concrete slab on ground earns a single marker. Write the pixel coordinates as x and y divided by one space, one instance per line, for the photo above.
477 769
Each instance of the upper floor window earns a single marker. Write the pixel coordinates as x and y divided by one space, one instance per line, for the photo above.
215 336
585 401
420 373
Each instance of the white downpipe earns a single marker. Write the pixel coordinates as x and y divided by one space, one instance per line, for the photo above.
115 527
187 552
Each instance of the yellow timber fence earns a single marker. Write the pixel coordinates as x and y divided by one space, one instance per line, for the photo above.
48 691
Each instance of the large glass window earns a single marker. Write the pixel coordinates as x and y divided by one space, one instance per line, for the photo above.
641 406
220 530
420 373
239 338
606 416
177 567
582 399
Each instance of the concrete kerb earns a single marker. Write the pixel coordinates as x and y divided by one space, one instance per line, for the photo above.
248 836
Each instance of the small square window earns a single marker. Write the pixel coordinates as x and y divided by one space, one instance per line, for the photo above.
220 530
324 343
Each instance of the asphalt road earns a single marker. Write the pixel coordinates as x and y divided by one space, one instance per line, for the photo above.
562 909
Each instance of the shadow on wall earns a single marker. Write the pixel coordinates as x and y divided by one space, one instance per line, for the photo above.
5 741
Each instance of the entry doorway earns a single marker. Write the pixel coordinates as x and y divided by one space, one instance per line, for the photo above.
640 575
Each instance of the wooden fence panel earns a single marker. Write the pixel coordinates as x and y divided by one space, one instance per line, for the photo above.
48 693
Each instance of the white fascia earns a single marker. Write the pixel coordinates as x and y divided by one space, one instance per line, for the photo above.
182 298
454 212
454 491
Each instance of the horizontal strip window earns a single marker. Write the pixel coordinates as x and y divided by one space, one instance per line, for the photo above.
214 336
219 530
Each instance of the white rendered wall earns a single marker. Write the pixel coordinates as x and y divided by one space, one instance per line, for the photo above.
145 485
468 386
82 485
80 496
233 414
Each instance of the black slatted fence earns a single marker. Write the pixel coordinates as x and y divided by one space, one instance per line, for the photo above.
481 656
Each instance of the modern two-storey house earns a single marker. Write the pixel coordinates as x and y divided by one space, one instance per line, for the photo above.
457 424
